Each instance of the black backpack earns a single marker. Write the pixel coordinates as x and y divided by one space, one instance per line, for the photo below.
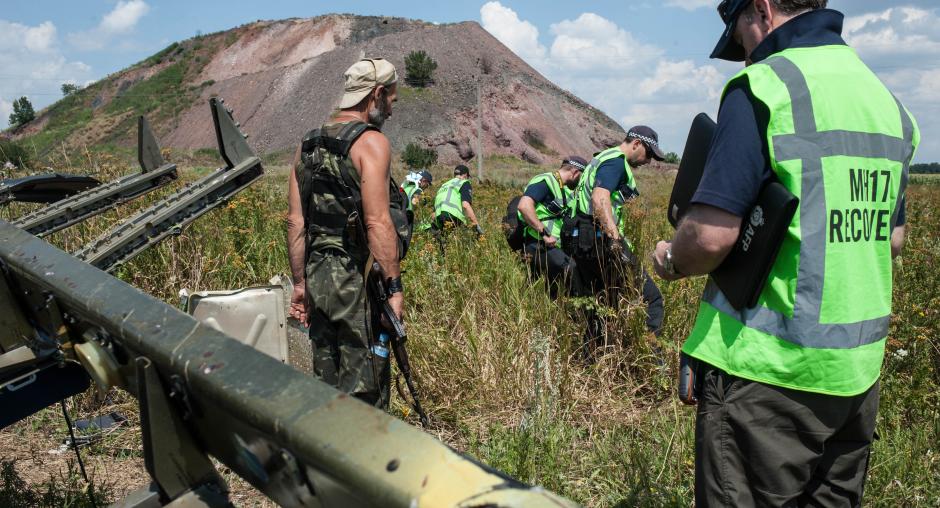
513 228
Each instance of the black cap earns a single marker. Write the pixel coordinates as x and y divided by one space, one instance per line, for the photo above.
649 138
427 176
574 160
461 170
727 48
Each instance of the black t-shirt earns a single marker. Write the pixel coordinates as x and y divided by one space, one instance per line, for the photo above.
466 193
610 174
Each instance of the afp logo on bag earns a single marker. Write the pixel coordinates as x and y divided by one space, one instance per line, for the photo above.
756 221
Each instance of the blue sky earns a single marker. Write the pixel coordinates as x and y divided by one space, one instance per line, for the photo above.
640 62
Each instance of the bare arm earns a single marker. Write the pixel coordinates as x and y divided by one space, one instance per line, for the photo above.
705 237
296 243
296 248
527 209
603 212
468 211
897 240
372 156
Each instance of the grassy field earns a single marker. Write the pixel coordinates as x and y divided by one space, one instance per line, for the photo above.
497 359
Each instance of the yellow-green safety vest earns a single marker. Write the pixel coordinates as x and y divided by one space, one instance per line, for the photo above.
448 199
550 215
842 143
411 189
618 197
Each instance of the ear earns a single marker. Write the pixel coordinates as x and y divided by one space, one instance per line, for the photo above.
765 13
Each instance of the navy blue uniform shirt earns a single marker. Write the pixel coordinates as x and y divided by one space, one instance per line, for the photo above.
466 193
539 192
611 176
738 163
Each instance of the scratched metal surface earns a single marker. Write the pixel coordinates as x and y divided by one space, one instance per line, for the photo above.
254 413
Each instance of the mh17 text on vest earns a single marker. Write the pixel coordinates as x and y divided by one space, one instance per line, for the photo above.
852 225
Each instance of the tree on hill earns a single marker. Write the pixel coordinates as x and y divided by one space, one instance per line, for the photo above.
23 112
415 156
419 68
70 88
672 158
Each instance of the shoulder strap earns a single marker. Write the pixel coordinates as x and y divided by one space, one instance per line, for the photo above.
338 145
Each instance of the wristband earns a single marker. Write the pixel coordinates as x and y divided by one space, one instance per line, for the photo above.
394 286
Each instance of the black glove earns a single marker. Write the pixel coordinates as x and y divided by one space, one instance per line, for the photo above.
479 230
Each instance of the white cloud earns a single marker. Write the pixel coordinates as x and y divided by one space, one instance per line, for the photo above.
691 5
902 45
33 66
520 36
124 17
6 108
632 81
119 21
596 43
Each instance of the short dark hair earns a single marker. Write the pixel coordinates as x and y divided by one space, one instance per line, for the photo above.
796 6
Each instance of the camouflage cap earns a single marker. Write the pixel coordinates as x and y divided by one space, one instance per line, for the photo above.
363 76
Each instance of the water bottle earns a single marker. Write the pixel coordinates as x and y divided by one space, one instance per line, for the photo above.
381 347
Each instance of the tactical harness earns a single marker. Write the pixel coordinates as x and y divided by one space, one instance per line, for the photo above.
330 193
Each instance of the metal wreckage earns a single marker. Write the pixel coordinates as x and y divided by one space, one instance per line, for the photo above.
65 322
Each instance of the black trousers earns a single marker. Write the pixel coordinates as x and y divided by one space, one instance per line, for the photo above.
763 445
596 274
556 267
446 218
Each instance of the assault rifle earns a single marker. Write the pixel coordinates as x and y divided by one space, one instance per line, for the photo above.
171 215
399 336
155 173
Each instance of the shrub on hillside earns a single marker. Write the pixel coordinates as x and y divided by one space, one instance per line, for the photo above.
23 112
418 157
70 88
672 158
13 153
419 68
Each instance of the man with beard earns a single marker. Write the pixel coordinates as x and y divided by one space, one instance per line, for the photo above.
546 200
344 212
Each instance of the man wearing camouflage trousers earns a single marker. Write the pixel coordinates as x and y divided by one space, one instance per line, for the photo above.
344 211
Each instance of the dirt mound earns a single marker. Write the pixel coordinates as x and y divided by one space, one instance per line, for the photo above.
285 77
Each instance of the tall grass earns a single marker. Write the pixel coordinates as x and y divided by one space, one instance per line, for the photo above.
499 364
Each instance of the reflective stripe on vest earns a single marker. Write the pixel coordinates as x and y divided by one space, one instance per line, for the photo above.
448 199
822 319
550 221
583 203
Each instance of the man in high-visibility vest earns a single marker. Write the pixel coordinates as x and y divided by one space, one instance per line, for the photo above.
787 390
453 203
544 204
414 185
605 258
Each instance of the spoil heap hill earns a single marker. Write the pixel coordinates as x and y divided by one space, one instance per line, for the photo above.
285 77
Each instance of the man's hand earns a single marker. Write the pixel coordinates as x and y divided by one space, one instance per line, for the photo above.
659 262
478 229
397 302
550 241
298 303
